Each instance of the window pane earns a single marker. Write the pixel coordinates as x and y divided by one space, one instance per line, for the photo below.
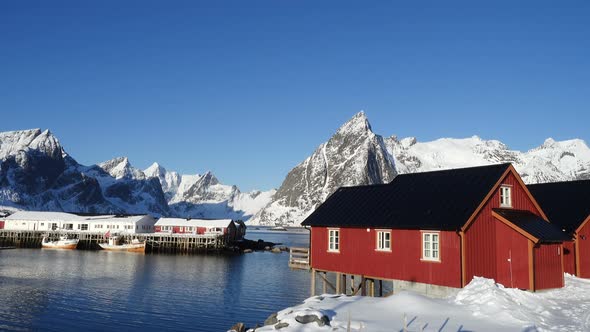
434 237
426 253
426 237
435 254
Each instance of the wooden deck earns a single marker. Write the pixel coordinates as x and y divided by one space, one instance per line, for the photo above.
299 258
155 242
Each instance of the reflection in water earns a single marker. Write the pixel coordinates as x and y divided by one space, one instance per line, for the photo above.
73 290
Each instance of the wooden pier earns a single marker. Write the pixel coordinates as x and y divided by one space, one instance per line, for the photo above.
155 242
299 258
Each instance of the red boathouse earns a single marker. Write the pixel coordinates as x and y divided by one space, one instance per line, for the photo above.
435 231
567 205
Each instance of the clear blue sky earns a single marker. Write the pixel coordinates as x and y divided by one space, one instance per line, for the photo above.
248 89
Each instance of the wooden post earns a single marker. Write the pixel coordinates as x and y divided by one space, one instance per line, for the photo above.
363 286
312 282
343 285
324 289
352 284
338 288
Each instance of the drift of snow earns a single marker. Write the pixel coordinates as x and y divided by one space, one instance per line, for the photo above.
481 306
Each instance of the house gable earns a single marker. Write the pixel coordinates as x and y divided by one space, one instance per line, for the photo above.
522 199
500 240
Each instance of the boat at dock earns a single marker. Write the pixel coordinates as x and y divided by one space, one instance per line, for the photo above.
62 242
278 227
114 244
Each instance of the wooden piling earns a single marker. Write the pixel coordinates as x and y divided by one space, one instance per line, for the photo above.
155 242
313 272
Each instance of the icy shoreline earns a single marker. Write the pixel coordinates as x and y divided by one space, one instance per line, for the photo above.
481 306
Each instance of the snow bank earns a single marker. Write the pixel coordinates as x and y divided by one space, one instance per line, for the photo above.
481 306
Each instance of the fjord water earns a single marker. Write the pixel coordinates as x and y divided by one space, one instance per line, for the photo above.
98 290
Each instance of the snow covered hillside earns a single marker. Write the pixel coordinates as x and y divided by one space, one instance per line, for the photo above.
37 174
357 156
354 155
203 196
480 306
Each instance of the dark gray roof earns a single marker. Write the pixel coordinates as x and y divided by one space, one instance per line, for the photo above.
566 204
440 200
534 225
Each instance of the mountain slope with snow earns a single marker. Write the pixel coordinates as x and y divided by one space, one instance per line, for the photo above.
37 174
203 196
354 155
357 156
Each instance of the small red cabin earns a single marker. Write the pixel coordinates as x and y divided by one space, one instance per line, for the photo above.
198 226
440 228
567 205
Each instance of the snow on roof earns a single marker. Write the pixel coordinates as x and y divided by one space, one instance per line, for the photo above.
193 222
112 218
43 215
63 216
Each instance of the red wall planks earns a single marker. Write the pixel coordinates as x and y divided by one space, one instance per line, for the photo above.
584 251
569 258
488 242
358 256
512 258
548 266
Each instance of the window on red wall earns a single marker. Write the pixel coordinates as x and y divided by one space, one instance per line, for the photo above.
383 240
334 240
505 196
431 246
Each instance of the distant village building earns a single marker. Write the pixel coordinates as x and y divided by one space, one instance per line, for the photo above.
47 221
198 226
435 231
567 204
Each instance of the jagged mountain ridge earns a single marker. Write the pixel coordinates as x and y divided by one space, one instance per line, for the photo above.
377 160
37 174
203 196
354 155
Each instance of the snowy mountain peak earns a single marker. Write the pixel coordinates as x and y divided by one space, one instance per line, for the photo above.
32 139
208 179
354 155
549 142
154 171
408 141
357 124
120 167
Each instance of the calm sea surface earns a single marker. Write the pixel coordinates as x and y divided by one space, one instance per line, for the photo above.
98 290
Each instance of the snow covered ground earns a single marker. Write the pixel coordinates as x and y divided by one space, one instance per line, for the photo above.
480 306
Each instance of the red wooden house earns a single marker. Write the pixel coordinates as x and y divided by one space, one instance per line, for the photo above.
439 229
225 227
567 205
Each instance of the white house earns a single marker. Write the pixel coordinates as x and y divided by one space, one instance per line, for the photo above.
45 221
116 224
39 220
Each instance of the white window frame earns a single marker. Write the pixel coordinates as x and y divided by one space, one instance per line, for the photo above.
428 244
505 196
333 239
383 240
